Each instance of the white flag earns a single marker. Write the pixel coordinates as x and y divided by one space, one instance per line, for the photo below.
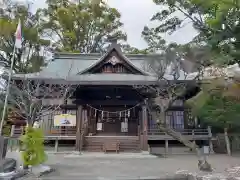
18 36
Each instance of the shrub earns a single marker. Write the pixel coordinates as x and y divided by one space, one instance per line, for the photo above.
32 145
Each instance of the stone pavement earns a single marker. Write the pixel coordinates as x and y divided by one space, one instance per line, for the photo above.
99 166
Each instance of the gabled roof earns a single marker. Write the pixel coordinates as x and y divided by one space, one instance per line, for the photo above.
117 49
78 63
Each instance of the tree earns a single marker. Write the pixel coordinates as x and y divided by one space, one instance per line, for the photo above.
169 18
154 40
217 23
80 27
31 57
127 49
218 105
169 68
28 100
222 18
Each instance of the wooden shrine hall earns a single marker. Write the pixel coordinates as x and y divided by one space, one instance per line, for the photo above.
109 112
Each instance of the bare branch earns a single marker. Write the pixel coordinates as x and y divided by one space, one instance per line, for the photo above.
29 98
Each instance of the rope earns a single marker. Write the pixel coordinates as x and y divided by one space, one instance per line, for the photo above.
96 109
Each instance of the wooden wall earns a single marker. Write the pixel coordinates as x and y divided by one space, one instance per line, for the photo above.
46 122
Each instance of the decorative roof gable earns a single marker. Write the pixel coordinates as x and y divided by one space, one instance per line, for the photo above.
113 61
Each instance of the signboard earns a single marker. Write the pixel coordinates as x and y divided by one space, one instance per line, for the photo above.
124 127
65 120
206 149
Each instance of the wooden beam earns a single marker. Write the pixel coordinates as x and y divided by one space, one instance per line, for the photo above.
106 102
67 106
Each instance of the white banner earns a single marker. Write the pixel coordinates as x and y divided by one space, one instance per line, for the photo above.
124 127
99 126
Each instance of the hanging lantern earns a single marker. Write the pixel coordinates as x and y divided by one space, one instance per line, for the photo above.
128 113
102 114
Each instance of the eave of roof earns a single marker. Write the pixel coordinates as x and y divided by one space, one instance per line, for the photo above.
90 79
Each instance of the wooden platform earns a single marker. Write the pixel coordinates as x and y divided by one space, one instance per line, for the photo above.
126 143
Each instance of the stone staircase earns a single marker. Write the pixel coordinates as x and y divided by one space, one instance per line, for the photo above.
127 143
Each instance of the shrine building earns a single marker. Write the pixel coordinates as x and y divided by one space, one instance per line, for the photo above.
106 105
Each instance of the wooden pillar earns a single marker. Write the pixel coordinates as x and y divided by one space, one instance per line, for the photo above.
144 129
56 145
166 147
210 140
79 123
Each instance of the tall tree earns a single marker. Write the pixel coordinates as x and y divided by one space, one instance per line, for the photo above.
216 21
218 105
128 49
222 18
31 57
169 68
81 26
154 40
169 19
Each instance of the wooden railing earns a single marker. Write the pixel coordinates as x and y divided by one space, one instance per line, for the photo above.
59 133
155 133
62 132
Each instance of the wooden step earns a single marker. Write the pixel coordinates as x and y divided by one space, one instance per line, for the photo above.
127 143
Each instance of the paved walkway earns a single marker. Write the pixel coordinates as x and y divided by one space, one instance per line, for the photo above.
127 166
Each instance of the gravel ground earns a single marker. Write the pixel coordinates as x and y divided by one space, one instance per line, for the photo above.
99 166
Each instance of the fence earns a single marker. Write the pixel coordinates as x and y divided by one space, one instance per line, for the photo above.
156 133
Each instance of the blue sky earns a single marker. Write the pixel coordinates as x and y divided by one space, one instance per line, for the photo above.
135 15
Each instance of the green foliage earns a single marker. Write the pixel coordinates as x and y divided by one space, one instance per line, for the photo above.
81 26
222 19
132 50
6 130
33 147
216 21
30 57
217 107
169 19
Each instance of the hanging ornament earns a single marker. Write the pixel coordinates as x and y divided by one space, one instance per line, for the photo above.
95 113
128 113
102 114
90 112
120 114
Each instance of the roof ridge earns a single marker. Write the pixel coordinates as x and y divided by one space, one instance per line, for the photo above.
63 55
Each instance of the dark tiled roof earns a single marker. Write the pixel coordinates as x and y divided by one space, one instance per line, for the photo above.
69 66
72 64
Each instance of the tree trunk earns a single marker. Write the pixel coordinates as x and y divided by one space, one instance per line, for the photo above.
202 161
203 164
3 147
227 141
